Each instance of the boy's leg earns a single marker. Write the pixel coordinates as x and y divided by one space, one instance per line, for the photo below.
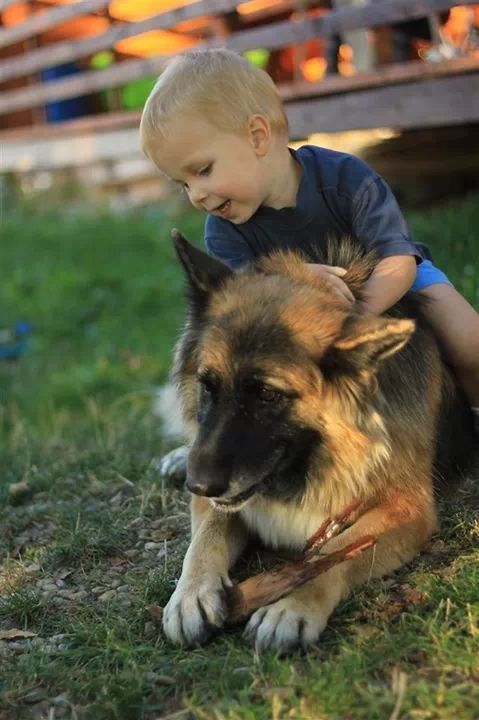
455 324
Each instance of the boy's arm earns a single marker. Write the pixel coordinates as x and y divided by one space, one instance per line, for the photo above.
391 279
378 221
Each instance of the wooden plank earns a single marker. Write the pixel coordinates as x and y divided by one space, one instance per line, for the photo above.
72 50
388 75
376 13
430 103
80 84
35 154
271 36
104 122
359 109
41 21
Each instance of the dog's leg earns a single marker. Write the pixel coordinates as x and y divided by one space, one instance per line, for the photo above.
402 523
197 607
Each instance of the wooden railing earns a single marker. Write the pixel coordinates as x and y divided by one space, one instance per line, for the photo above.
272 36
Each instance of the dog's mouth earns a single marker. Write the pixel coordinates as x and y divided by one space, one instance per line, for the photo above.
233 504
236 502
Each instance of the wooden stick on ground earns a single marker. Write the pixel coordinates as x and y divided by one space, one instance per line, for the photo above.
267 587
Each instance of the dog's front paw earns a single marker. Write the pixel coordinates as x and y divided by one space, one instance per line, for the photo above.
173 465
285 625
196 609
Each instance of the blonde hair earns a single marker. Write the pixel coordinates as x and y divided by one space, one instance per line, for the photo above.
219 85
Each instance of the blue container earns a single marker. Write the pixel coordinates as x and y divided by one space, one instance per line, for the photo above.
14 340
64 109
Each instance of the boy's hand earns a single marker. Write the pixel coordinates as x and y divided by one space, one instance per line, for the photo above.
333 275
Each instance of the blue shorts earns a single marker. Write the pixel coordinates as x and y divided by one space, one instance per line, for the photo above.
427 274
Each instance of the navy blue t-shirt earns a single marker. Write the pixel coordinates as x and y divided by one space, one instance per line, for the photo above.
338 195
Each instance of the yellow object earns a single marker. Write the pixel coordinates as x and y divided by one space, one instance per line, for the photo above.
252 6
313 69
140 9
155 42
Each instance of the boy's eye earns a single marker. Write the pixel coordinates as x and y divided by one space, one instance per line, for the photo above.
204 170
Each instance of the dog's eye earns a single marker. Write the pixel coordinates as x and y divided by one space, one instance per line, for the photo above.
268 394
208 384
262 391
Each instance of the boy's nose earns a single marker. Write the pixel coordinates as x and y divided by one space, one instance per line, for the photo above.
197 195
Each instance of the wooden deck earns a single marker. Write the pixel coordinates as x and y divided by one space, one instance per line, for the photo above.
403 96
396 87
413 95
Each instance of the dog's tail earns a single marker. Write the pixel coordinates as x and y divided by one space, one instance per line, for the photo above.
167 406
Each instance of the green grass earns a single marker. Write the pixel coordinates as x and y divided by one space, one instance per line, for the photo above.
103 295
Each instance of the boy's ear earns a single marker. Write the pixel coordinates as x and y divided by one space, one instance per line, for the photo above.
203 272
363 343
259 132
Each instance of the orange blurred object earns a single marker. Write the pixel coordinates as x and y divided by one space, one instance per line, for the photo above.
313 69
252 6
140 9
194 25
15 14
155 42
456 25
79 27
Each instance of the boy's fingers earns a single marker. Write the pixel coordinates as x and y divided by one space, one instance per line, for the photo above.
335 270
333 273
343 289
330 269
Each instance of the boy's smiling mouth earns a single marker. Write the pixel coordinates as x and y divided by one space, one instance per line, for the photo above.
223 208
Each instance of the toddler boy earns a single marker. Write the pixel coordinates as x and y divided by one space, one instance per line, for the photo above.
215 125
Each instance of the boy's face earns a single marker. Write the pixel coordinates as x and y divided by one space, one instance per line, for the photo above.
221 172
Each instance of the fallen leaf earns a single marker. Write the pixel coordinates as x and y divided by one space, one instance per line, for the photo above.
413 596
156 613
15 633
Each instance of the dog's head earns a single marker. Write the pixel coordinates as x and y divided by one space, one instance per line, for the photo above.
277 379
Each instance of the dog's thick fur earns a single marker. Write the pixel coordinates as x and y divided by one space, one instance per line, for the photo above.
294 405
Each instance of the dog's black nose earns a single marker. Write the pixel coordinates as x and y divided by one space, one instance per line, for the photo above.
207 473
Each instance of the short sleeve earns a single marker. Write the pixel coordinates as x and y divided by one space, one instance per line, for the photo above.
378 222
225 243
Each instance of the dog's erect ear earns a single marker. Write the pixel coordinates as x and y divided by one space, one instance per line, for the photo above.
203 272
363 343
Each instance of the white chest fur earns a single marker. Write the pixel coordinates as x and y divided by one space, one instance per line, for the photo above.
281 525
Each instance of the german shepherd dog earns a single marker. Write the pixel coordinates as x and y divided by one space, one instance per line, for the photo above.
294 406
